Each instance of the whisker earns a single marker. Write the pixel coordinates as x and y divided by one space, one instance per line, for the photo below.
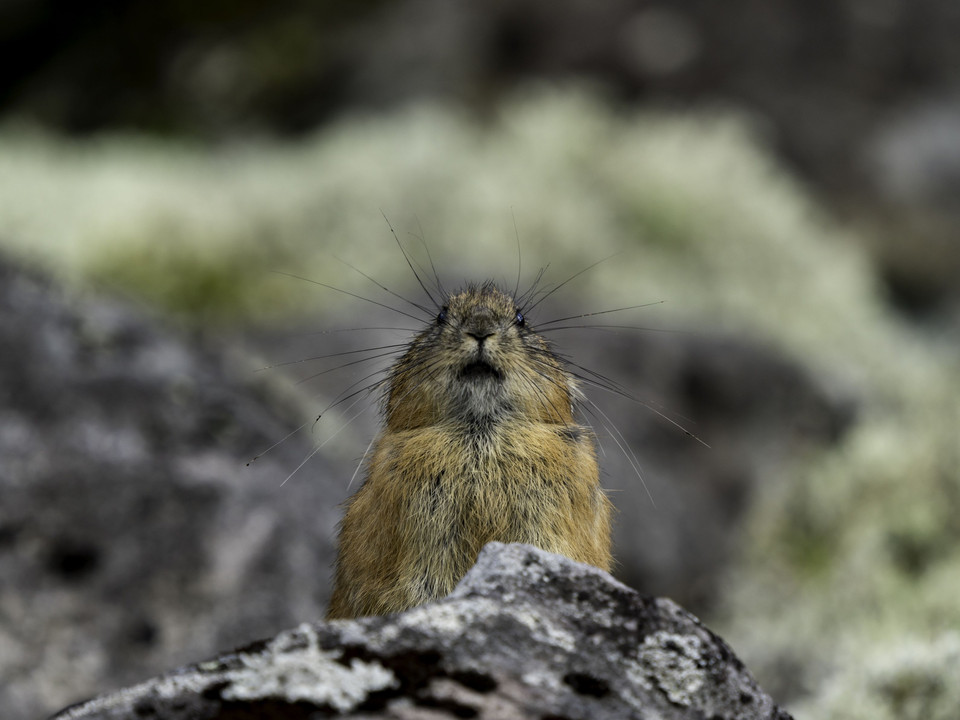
540 391
331 437
303 462
360 464
608 425
600 312
625 448
671 331
330 355
572 277
430 371
609 383
433 268
409 263
383 287
315 421
344 365
343 398
619 390
516 233
277 443
340 330
347 292
532 291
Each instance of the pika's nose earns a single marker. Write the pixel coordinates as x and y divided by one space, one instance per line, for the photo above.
480 325
480 335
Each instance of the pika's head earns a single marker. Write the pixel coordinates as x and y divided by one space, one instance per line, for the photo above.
479 361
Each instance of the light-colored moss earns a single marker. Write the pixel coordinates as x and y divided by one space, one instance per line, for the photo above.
905 678
851 555
694 208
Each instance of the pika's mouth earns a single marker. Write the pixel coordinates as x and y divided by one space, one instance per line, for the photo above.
480 370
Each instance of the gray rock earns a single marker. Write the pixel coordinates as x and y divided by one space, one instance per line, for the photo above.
680 512
133 537
525 634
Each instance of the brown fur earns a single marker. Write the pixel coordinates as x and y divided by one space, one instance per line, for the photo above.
479 445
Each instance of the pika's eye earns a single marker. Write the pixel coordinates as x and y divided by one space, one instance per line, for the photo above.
519 319
442 316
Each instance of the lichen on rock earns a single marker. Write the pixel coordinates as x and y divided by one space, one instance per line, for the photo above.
475 655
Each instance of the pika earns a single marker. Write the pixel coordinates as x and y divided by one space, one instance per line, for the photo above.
478 444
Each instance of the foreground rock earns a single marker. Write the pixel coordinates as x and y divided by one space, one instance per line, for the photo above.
525 634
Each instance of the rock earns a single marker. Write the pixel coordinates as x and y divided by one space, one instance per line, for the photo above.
133 536
913 163
759 411
525 634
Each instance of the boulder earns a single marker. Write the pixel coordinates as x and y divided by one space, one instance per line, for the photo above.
133 535
525 634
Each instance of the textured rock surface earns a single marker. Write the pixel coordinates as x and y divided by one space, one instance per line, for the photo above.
525 634
132 535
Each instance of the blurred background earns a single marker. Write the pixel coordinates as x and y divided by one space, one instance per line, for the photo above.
192 193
